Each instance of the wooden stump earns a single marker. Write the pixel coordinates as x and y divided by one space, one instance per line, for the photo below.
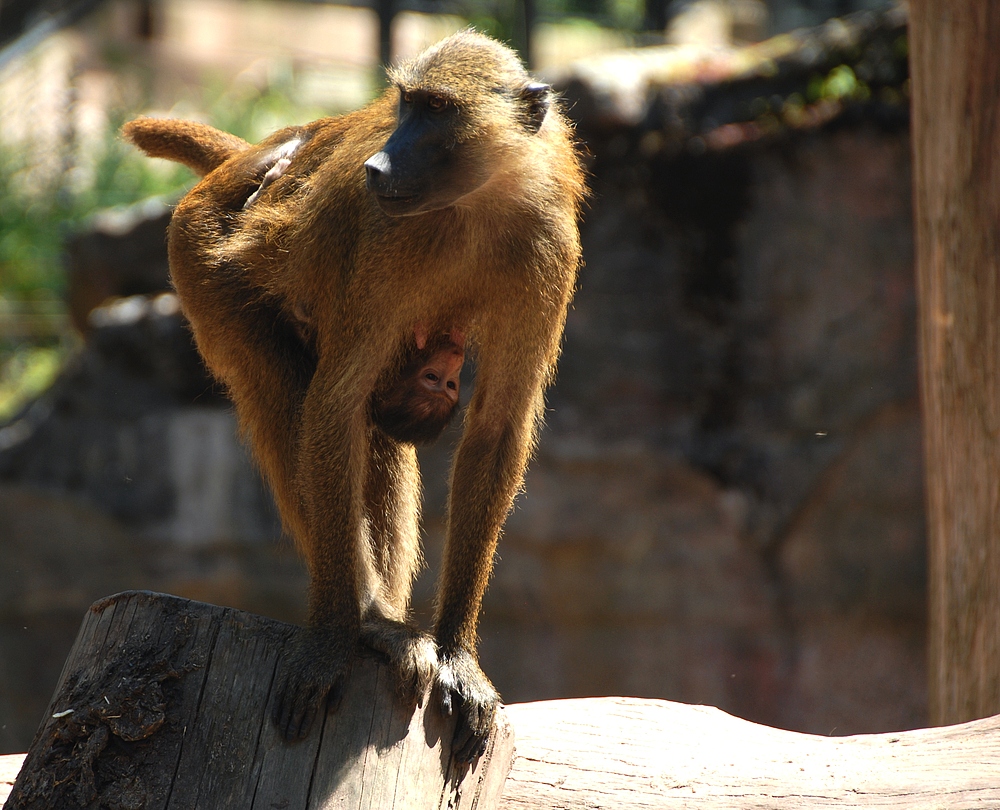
165 703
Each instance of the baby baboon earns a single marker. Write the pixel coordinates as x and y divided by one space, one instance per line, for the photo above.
417 403
450 202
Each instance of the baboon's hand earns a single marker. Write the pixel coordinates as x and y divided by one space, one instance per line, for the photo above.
411 654
310 678
462 686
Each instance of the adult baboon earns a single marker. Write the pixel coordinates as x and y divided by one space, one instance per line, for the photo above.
449 202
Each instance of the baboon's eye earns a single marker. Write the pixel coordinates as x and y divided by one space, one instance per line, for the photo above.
436 103
430 376
407 97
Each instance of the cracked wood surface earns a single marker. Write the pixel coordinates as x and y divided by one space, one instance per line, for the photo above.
10 764
632 754
165 703
190 704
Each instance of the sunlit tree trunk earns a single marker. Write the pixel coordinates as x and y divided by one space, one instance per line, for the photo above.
955 64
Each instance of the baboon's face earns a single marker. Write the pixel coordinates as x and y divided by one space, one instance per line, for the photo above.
426 164
465 110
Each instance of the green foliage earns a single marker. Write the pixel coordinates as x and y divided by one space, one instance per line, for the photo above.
26 372
839 83
28 226
503 19
252 112
496 21
41 206
38 212
36 216
623 14
627 14
123 176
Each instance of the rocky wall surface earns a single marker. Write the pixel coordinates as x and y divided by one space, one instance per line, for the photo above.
727 503
128 473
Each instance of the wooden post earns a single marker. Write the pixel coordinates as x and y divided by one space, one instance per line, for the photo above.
386 10
165 703
955 68
655 17
522 36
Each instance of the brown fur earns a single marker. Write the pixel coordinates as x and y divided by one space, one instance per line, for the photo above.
498 260
198 146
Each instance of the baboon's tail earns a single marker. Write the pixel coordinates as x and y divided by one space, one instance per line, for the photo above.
198 146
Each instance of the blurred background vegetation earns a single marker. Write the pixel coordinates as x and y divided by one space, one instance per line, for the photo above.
72 72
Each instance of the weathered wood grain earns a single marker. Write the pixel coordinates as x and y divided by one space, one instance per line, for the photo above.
10 764
163 704
956 180
169 710
632 754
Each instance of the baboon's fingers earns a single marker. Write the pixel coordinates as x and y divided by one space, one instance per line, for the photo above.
295 709
411 653
468 744
312 676
463 686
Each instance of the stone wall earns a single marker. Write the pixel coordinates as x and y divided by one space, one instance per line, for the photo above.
727 503
726 506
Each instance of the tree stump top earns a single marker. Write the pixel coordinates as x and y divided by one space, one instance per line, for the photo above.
165 703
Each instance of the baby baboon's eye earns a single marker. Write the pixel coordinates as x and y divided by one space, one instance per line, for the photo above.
436 103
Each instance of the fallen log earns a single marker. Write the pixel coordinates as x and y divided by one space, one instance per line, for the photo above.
10 764
615 752
633 754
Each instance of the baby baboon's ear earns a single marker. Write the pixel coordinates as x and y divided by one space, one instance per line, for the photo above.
537 98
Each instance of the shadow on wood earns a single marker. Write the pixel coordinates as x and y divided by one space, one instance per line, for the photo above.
165 703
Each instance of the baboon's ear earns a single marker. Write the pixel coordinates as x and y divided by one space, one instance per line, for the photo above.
537 98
